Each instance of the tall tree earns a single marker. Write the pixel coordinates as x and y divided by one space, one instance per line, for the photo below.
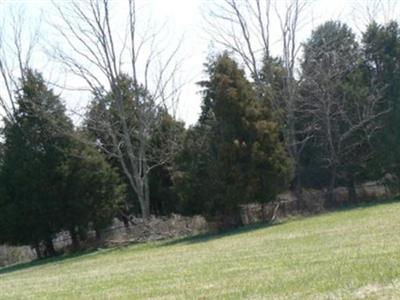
244 27
91 194
169 135
49 181
341 105
91 35
247 161
381 47
31 177
192 179
158 143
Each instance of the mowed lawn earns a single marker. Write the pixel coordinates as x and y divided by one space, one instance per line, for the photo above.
351 254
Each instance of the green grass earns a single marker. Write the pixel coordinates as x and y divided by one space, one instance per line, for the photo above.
350 254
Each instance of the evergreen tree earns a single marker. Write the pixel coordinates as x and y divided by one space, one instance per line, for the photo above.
192 180
169 134
49 181
341 107
272 84
246 161
381 48
31 176
103 121
92 192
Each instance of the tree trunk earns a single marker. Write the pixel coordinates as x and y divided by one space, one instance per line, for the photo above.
144 198
124 213
145 208
98 234
125 220
147 196
82 233
50 251
36 247
351 187
331 201
297 190
75 240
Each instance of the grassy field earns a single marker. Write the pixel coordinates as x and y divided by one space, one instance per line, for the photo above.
350 254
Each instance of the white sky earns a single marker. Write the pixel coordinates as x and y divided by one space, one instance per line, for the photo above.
184 18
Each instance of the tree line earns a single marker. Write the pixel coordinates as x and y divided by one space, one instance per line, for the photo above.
319 119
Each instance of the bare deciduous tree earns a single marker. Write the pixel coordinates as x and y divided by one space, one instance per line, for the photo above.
16 50
368 11
341 111
289 25
244 27
95 50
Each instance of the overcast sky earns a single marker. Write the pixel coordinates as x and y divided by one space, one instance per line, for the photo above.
185 18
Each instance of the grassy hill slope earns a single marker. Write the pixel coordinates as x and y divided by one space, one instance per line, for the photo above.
347 255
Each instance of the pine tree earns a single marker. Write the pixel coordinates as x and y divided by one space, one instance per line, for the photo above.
340 108
381 48
246 160
35 148
103 121
92 192
49 181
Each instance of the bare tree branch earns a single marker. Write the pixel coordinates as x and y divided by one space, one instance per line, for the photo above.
101 58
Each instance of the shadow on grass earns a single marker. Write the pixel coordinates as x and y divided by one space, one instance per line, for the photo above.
44 261
188 240
202 238
364 204
207 237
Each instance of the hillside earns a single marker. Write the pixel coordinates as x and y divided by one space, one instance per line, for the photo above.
348 254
